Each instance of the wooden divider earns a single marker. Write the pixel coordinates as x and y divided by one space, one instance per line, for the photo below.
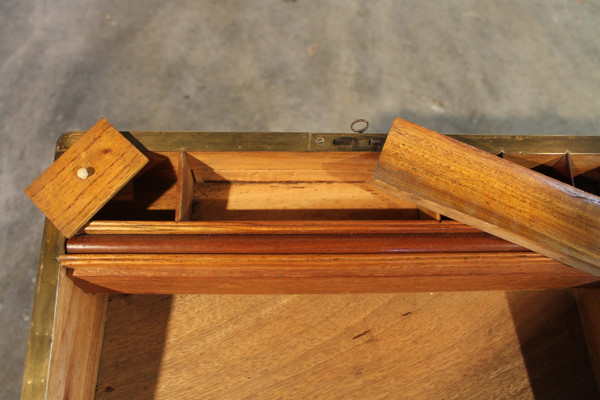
185 189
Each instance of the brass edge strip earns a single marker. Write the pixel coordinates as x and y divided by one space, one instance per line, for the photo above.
303 141
37 362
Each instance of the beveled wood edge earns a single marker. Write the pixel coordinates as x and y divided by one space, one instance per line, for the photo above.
274 227
306 141
319 273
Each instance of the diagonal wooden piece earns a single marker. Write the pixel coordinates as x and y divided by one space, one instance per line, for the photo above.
85 177
491 194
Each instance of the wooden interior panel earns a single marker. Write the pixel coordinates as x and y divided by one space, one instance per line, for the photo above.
238 185
525 345
582 163
260 185
283 166
297 201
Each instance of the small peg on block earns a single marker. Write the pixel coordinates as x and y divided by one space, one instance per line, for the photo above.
83 173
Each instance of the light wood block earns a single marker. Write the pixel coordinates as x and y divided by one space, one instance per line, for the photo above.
492 194
85 177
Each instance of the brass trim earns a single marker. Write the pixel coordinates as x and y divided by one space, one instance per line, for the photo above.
37 362
303 141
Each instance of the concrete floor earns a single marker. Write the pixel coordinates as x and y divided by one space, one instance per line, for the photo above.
286 65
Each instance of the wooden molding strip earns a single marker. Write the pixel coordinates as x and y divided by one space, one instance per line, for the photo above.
491 194
289 244
318 273
273 227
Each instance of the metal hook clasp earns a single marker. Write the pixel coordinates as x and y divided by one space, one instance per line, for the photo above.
361 129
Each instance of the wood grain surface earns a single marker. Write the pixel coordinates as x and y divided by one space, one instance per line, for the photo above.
244 201
492 194
77 338
318 273
69 201
478 345
274 227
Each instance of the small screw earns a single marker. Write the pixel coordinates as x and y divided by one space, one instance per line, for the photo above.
320 141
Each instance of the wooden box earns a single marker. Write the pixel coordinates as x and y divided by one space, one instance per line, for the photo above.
263 265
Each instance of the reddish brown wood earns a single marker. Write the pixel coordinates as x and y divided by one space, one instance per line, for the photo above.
289 244
319 273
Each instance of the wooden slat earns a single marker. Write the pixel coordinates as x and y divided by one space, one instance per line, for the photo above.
77 339
70 201
283 166
315 273
274 227
289 244
185 189
66 331
492 194
243 201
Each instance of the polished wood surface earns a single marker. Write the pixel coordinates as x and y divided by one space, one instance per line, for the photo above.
318 273
69 200
478 345
289 244
75 353
492 194
276 227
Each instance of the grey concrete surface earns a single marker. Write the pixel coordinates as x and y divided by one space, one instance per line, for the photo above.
284 65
